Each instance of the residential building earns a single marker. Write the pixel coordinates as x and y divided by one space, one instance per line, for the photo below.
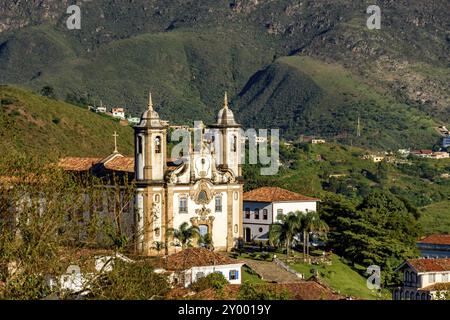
435 246
263 205
118 113
318 141
423 279
192 264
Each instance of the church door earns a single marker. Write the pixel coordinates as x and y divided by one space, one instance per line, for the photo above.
248 235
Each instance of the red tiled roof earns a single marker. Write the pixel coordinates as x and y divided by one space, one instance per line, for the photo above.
441 286
437 239
305 290
195 257
125 164
430 265
77 163
273 194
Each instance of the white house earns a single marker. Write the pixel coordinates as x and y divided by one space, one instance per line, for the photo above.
192 264
423 279
263 205
118 113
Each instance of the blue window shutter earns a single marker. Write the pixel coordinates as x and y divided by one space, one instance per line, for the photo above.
237 275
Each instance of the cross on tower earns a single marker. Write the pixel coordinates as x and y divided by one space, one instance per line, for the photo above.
115 135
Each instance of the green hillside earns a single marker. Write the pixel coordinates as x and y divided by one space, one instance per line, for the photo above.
189 53
302 95
34 125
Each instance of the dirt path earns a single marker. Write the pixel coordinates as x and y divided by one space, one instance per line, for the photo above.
271 272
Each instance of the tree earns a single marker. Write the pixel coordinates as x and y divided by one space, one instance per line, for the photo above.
48 92
282 233
251 291
184 234
312 223
215 280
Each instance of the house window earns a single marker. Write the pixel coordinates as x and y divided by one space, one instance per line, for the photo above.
445 277
431 278
247 213
260 229
257 214
279 211
183 204
234 275
265 214
199 275
158 144
218 203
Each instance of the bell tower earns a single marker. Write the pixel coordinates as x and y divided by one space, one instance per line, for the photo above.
230 140
150 166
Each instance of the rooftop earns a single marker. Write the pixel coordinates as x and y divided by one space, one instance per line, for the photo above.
436 239
274 194
430 265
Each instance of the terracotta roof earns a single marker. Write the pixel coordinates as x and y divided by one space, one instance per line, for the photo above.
195 257
125 164
437 287
77 163
273 194
430 265
305 290
437 239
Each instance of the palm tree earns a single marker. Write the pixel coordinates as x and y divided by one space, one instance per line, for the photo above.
283 232
206 241
184 234
158 246
312 223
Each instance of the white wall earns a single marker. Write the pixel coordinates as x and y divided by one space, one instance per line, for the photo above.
260 227
191 274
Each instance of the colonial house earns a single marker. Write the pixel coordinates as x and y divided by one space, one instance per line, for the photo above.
435 246
118 113
263 205
423 279
192 264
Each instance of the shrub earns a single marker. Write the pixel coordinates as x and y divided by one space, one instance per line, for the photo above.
250 291
214 280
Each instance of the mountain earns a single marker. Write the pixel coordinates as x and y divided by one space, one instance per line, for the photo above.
189 52
34 125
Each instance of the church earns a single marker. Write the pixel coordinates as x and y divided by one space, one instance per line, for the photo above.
202 187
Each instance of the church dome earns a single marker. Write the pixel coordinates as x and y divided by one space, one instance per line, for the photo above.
150 118
226 116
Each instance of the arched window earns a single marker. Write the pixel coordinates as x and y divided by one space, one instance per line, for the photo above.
234 144
158 144
140 145
218 203
247 213
265 214
257 214
157 198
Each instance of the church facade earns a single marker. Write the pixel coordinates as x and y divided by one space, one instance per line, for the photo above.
203 186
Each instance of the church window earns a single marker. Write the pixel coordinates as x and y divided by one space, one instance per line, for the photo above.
236 196
234 275
218 203
234 144
202 196
183 208
247 213
265 214
140 145
257 214
157 198
158 144
236 228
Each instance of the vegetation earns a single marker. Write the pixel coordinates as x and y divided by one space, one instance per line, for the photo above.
215 280
34 125
253 291
185 234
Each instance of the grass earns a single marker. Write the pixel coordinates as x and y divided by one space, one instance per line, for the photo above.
340 277
32 124
249 275
435 218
